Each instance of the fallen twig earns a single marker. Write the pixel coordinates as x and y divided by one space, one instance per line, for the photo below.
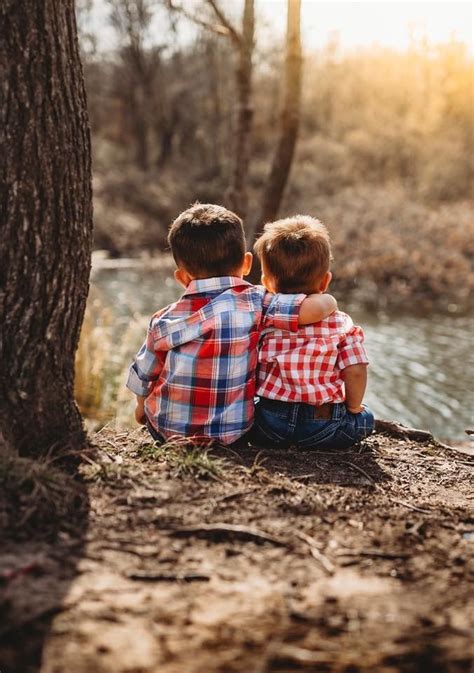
358 469
234 494
398 430
316 554
374 553
167 577
299 656
413 507
306 476
128 550
242 532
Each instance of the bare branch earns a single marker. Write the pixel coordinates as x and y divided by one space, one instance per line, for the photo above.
234 34
214 27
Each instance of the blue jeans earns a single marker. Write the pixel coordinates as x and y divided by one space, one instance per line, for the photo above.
282 424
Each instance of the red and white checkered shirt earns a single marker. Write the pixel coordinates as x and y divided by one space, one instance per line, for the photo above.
305 366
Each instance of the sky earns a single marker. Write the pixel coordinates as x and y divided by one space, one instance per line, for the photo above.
386 23
357 24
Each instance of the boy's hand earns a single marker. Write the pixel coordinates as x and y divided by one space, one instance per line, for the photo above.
316 307
355 410
140 416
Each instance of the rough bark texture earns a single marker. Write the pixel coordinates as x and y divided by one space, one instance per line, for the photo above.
289 123
238 191
46 222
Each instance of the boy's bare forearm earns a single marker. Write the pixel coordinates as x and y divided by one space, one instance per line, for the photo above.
355 380
316 307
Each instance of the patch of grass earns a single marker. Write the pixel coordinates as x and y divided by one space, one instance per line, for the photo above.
99 471
258 468
186 459
36 494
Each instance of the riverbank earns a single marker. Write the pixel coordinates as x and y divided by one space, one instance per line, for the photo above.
391 248
244 561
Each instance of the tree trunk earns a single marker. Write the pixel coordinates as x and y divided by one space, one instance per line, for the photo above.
46 223
140 126
238 199
289 123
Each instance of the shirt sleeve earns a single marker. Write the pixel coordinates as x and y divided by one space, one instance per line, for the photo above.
281 311
146 368
351 349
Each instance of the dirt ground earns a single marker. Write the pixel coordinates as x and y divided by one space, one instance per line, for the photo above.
348 562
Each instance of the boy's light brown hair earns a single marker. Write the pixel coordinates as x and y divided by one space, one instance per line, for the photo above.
296 252
207 240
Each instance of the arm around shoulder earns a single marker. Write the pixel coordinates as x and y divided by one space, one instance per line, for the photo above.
316 307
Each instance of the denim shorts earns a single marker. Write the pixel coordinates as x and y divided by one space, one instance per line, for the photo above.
283 424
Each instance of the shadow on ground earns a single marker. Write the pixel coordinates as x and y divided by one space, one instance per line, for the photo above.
44 513
357 466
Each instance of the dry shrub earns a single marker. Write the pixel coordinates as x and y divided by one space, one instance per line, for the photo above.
104 353
322 165
95 346
405 116
391 249
446 173
36 495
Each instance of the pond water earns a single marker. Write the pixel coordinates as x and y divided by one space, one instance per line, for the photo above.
419 364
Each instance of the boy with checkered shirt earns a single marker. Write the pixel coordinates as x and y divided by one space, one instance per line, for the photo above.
195 374
311 381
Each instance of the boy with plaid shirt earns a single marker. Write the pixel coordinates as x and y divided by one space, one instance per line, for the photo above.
311 381
195 374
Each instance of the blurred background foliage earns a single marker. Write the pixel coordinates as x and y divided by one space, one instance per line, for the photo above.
384 155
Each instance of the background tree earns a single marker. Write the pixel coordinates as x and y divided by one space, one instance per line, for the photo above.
243 42
373 121
46 221
288 126
131 20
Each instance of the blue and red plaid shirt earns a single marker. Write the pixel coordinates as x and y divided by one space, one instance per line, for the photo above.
197 367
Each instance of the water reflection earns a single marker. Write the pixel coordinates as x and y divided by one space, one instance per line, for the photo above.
420 364
420 369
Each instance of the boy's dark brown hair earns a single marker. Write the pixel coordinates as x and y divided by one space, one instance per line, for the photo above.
207 240
296 252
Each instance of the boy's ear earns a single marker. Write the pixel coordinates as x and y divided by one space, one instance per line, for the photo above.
182 277
326 279
247 264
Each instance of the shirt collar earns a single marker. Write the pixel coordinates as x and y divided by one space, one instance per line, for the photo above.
204 285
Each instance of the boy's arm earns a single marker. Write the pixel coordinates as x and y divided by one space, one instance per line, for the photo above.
288 311
316 307
355 383
352 362
145 369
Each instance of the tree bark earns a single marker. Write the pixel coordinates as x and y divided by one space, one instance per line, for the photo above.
288 131
46 223
238 199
